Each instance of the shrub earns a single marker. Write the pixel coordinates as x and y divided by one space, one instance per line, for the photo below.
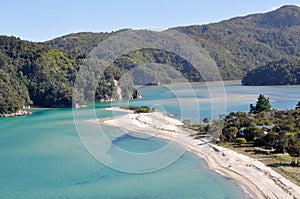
143 109
240 141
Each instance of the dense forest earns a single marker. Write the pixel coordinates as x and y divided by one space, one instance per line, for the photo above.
43 73
283 72
34 73
237 45
242 44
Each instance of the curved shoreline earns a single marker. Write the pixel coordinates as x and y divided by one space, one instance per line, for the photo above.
259 180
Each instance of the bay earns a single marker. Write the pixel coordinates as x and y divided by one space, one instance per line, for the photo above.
42 155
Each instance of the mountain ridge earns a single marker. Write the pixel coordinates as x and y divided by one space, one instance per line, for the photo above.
43 73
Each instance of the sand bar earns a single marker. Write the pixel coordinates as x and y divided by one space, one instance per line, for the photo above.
258 179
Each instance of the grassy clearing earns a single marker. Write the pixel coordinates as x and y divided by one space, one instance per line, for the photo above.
278 162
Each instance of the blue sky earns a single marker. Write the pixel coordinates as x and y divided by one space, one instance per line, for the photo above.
40 20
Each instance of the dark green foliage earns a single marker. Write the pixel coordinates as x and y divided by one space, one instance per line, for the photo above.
138 109
298 106
271 139
283 72
251 132
13 93
293 149
43 73
282 135
206 120
80 43
238 45
262 104
144 56
32 73
284 17
143 109
230 133
242 44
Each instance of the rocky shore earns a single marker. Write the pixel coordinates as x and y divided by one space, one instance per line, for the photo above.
18 113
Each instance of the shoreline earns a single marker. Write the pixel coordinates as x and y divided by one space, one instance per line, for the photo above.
16 114
257 179
211 83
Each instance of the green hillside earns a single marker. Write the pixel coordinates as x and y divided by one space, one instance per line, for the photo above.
80 43
242 44
283 72
43 74
237 45
32 73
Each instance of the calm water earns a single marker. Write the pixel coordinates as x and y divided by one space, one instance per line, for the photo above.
42 157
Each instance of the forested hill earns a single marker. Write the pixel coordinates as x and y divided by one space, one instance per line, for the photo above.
43 73
32 73
237 45
283 72
80 43
242 44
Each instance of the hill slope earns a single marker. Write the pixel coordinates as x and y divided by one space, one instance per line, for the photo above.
283 72
237 45
43 73
242 44
32 73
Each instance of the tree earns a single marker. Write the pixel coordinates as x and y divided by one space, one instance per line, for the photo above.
294 150
251 132
298 106
230 133
271 139
252 108
262 104
282 142
206 120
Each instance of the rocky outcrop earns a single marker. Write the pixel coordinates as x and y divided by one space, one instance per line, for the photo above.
137 94
124 91
18 113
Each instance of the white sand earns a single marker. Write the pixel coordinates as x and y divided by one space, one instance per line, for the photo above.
118 109
258 179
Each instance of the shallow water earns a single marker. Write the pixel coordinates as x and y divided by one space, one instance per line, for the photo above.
42 156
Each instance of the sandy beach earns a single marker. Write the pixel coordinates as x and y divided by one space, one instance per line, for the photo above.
258 179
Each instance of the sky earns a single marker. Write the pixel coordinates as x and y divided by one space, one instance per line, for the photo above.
41 20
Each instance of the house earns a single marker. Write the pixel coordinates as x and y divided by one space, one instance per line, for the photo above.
266 128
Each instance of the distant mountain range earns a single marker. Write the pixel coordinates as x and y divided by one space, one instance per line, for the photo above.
43 73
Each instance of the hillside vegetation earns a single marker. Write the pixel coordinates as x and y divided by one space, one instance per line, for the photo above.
237 45
32 73
283 72
43 73
242 44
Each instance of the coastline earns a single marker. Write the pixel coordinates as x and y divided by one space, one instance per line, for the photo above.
211 83
256 178
16 114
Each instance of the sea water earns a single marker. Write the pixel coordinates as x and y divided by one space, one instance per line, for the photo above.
42 156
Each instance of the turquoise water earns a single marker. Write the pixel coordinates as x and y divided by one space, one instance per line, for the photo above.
194 101
42 157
